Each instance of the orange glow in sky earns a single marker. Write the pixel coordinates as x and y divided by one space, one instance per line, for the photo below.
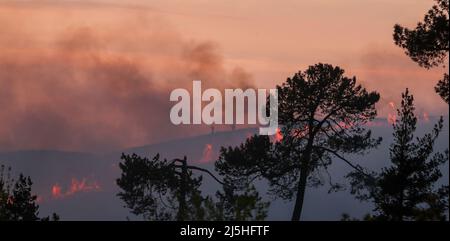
63 63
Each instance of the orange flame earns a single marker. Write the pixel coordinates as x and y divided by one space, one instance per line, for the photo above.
75 187
392 117
426 118
56 191
207 154
278 135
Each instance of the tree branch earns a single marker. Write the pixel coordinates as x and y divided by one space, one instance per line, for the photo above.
203 170
345 160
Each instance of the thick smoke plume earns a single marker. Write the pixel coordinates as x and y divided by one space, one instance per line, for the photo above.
73 79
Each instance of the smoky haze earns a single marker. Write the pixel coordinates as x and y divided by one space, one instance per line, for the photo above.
96 75
98 85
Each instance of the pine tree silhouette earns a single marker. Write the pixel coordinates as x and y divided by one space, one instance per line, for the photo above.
322 115
169 190
16 201
428 43
407 190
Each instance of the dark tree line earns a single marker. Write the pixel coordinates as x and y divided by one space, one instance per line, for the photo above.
169 190
323 116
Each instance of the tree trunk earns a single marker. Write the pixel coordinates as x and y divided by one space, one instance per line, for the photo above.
304 172
300 195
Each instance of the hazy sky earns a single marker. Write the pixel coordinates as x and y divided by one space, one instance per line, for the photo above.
63 63
274 39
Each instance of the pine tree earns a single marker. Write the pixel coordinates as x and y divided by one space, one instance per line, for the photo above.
17 203
236 204
407 190
322 115
169 190
428 43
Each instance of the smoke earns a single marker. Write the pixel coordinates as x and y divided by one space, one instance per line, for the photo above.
97 85
387 70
